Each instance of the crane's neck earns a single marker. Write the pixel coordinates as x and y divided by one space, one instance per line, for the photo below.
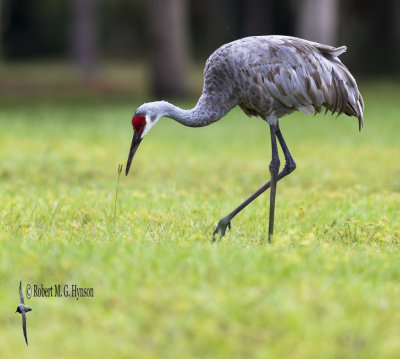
206 112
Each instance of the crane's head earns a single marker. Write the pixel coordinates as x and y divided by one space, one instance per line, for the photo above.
143 120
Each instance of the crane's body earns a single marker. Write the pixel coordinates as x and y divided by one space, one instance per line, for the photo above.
269 77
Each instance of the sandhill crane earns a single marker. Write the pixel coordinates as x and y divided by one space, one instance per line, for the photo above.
269 77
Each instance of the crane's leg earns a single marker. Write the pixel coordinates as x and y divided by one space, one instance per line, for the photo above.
290 166
274 170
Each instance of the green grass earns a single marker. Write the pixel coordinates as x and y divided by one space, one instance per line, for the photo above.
328 287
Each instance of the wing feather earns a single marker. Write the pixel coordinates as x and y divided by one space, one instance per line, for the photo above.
304 75
21 296
24 326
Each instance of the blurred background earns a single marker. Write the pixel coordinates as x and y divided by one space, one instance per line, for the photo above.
157 48
71 74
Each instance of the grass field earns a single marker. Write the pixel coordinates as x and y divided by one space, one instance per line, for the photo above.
328 287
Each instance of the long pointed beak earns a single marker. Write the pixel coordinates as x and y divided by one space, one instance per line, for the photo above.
134 146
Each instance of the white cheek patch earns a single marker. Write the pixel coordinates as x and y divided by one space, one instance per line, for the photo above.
148 126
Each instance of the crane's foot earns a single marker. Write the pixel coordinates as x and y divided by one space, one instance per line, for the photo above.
221 228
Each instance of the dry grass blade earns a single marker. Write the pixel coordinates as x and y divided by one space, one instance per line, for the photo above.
116 194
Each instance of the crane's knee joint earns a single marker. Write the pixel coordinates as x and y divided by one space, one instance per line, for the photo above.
290 166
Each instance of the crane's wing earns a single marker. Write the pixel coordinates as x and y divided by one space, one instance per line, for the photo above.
24 326
21 296
304 75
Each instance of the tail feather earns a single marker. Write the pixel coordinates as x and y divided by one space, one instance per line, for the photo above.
330 50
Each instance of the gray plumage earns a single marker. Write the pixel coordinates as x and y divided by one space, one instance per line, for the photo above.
23 309
269 77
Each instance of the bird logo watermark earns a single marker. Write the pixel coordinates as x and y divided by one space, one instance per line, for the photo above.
23 309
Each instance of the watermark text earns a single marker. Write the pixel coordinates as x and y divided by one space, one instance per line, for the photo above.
58 291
